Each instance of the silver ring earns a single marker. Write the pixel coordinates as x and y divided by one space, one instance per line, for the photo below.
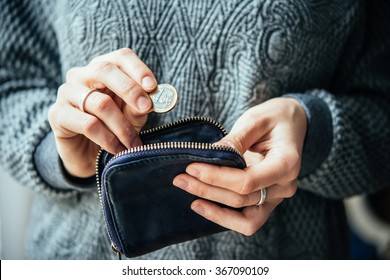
263 196
84 98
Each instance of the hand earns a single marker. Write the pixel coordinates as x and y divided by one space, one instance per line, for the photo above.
270 136
112 114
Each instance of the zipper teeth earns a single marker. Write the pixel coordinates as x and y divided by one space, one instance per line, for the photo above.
97 174
203 119
99 187
175 145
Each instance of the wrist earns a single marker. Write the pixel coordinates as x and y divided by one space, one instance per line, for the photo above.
296 115
51 168
319 132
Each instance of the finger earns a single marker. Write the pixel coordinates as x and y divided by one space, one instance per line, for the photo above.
133 66
246 131
270 171
103 107
246 222
230 198
251 157
279 191
101 74
220 195
70 121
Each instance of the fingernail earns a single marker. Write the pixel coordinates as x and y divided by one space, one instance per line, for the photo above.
148 83
192 171
136 142
144 103
198 208
120 148
180 183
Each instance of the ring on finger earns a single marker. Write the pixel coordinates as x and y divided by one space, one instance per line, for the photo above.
263 196
83 99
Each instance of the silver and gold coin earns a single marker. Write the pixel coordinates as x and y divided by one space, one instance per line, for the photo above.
164 98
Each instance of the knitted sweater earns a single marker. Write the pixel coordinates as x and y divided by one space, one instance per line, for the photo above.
223 57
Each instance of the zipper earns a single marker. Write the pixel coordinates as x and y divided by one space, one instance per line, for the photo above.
183 121
174 145
159 146
99 187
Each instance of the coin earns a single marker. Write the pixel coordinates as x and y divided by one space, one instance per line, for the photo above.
164 98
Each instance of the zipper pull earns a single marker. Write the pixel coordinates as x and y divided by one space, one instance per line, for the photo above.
116 251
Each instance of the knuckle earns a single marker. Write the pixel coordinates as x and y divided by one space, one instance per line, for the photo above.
52 114
250 228
137 122
251 117
248 185
126 52
198 189
291 163
209 178
201 192
62 90
294 157
294 172
126 132
284 162
72 73
102 66
108 141
129 88
102 102
237 141
96 60
253 120
215 217
89 124
239 201
140 68
288 160
291 189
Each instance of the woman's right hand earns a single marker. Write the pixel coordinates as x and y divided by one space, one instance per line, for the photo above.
113 114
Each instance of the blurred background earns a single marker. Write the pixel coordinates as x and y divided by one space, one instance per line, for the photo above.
369 220
15 204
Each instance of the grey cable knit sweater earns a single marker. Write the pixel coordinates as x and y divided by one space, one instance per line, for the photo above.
223 57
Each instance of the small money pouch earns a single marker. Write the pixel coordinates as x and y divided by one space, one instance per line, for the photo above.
143 211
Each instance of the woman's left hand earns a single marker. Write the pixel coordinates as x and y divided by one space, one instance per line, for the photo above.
270 136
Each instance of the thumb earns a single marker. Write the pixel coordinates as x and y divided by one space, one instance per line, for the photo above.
236 141
243 135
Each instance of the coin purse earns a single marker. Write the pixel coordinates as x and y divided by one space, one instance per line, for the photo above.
143 211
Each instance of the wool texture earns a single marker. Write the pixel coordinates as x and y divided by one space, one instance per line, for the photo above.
223 57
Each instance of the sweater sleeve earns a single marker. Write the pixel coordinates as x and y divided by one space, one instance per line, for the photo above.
29 77
359 103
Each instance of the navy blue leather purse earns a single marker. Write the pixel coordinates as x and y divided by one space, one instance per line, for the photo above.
142 209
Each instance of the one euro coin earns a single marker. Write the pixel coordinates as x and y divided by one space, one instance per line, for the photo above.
164 98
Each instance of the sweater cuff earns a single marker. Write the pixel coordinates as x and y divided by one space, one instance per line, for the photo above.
51 168
319 134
